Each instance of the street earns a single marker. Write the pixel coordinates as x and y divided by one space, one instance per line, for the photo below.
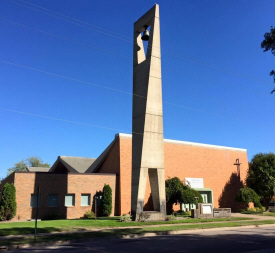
252 240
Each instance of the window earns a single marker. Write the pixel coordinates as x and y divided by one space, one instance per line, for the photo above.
69 200
53 200
34 200
85 199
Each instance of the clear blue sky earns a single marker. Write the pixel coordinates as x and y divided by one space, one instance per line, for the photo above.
211 62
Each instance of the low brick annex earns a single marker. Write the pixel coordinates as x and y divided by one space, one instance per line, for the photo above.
214 164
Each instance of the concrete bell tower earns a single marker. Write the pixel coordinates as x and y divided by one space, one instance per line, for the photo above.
147 128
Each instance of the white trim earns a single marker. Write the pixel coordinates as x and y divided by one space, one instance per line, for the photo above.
203 145
189 143
123 135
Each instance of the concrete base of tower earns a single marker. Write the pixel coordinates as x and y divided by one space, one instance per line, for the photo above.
150 216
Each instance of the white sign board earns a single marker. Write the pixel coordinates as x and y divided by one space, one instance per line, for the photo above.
194 182
206 209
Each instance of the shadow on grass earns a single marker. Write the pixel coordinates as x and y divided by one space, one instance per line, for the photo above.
121 232
109 218
115 218
26 230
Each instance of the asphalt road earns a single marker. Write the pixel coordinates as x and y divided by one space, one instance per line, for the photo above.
252 240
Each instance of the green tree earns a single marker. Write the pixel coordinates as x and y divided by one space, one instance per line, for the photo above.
32 161
269 44
174 190
8 202
189 195
247 195
178 193
107 200
261 176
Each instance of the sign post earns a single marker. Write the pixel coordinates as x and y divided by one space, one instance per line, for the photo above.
36 215
95 206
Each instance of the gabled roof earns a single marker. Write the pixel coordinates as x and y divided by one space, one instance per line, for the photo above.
73 164
38 169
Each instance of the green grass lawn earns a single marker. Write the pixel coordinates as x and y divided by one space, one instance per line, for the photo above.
259 213
269 214
129 231
19 228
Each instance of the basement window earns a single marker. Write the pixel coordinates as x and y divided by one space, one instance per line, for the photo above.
85 199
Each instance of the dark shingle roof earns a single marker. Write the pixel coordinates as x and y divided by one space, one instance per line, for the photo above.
74 164
38 169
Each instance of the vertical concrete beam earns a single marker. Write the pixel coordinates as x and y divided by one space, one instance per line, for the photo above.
147 128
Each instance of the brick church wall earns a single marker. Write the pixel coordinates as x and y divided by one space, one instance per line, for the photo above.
26 183
212 163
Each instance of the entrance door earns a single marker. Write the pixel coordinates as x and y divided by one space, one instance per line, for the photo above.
204 198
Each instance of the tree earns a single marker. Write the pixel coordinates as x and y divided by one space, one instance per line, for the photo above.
189 195
269 44
8 202
32 161
174 190
247 195
177 192
261 176
107 200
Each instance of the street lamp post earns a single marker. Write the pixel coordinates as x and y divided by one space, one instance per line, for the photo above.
96 197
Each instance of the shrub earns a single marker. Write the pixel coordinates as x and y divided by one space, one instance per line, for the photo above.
182 213
89 215
272 210
125 217
256 209
175 213
170 217
107 200
247 195
188 213
8 202
253 210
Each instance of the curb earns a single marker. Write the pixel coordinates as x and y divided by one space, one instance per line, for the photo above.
130 236
188 231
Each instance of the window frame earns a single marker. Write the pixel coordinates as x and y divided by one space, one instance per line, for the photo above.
89 199
67 195
39 200
49 198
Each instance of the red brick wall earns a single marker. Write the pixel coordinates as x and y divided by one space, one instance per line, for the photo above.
112 165
80 183
61 184
214 165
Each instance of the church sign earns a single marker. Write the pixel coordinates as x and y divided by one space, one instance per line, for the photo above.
194 182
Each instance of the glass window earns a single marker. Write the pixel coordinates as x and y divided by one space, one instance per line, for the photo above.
53 200
85 199
69 200
34 200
